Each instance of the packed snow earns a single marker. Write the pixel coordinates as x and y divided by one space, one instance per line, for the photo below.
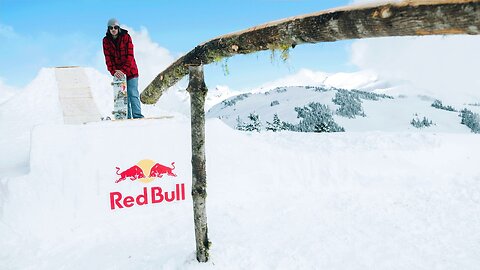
382 195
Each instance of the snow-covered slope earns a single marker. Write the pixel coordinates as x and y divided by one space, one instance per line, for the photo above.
37 104
384 113
364 199
275 200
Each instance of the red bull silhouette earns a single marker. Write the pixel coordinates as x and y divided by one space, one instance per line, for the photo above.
158 170
133 173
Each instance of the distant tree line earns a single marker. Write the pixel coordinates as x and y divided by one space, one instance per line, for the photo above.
438 104
370 95
232 101
349 102
315 117
421 123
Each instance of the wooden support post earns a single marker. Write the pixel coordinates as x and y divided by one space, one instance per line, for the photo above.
198 91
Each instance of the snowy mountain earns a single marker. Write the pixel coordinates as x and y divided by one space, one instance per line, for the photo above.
380 195
363 80
354 110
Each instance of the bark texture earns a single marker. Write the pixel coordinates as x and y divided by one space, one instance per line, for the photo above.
409 18
198 91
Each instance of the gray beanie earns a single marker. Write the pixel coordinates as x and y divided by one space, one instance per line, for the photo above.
113 22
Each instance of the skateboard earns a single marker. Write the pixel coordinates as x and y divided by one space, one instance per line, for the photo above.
120 98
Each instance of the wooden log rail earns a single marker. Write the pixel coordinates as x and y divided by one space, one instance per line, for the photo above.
409 18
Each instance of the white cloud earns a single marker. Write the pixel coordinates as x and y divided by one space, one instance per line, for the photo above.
442 67
7 31
6 91
150 56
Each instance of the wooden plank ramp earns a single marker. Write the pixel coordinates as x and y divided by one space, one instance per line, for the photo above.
75 96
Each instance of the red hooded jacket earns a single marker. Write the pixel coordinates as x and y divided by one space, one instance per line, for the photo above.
119 54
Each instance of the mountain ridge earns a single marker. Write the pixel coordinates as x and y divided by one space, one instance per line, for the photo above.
353 109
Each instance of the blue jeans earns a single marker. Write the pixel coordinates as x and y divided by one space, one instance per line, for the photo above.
134 107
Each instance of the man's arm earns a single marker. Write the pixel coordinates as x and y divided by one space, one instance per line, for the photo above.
107 51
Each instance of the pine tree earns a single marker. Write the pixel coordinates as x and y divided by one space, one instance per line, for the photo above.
254 124
276 125
316 117
322 127
240 124
274 103
350 103
288 126
471 120
416 122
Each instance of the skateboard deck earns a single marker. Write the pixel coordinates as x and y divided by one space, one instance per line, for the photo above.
120 98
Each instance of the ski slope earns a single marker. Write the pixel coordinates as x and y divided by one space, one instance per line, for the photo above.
367 199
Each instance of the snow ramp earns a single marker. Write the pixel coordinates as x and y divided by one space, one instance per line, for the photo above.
63 95
78 105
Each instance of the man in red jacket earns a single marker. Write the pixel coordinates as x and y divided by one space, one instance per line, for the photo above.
118 51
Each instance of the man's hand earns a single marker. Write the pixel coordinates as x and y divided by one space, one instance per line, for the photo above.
119 74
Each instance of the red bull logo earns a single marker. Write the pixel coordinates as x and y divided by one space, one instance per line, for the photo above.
133 173
155 170
146 171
